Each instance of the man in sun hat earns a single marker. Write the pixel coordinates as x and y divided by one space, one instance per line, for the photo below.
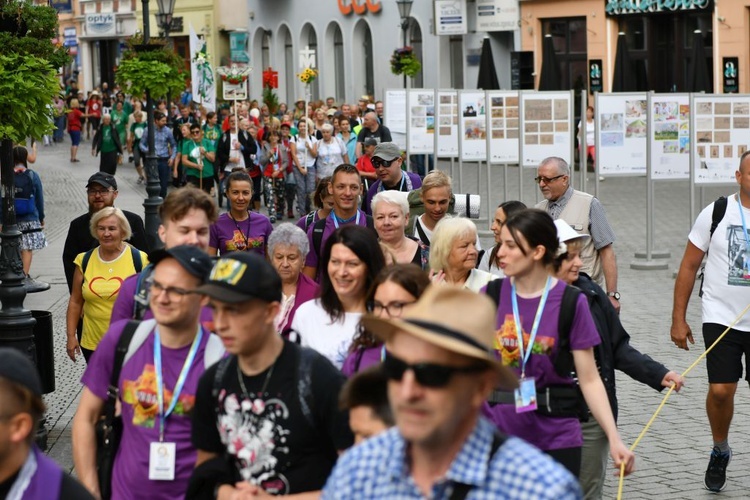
267 416
441 367
387 162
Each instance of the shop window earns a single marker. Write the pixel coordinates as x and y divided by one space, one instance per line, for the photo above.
457 61
569 39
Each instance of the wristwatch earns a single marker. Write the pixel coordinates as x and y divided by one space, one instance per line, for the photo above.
616 295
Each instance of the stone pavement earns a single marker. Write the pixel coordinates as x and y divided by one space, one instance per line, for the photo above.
671 459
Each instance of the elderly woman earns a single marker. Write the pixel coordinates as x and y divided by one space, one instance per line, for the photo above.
331 151
97 279
453 255
287 248
390 212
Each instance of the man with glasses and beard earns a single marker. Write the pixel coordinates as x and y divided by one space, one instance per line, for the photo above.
387 162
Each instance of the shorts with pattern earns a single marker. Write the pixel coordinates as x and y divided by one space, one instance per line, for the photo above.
32 235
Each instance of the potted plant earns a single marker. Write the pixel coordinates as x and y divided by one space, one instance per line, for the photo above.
404 62
151 67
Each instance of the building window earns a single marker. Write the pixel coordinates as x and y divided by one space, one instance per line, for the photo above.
415 40
363 73
338 61
265 50
569 38
457 62
290 74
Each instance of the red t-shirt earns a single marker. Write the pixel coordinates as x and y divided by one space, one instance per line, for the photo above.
364 164
95 108
74 120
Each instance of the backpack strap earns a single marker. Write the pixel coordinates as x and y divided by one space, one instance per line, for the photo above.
139 336
137 261
221 370
140 298
493 290
564 360
420 231
214 351
317 237
720 208
86 259
122 348
304 384
309 219
461 490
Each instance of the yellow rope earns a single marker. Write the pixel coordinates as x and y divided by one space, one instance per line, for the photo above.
669 393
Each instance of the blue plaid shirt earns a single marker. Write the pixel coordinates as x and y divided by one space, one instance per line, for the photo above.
163 141
378 469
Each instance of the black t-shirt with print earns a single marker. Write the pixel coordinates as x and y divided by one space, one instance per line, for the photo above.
267 438
382 134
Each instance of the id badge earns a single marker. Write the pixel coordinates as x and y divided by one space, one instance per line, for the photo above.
161 461
525 395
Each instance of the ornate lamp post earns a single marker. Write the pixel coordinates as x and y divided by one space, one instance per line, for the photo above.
404 10
164 18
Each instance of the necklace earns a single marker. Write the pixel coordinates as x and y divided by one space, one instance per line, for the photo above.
237 225
258 404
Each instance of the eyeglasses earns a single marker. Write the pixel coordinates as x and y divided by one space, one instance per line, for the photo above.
427 374
99 192
394 309
378 163
174 294
547 180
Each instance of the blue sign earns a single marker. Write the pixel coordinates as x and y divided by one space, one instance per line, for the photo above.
61 5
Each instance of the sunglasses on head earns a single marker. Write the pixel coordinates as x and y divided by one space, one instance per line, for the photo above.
426 374
379 162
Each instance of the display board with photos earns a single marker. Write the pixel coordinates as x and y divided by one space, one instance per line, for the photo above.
669 122
503 125
472 125
621 122
394 107
720 131
421 121
545 126
446 118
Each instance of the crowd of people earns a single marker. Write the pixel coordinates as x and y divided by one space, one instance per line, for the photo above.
370 348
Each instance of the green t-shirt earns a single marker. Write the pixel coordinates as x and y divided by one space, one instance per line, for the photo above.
108 143
190 150
137 130
120 121
127 107
212 134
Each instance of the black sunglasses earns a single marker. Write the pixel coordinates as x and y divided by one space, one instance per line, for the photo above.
427 374
378 162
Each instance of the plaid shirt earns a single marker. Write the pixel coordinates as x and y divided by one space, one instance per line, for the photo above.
378 469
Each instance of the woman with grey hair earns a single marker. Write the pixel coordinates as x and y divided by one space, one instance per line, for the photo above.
287 249
453 255
97 279
331 152
390 213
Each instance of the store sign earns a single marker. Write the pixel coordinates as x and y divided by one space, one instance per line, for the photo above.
359 7
450 17
100 25
69 37
61 5
620 7
498 15
595 76
730 75
238 47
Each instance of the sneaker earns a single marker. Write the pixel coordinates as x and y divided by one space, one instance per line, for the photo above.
273 219
716 474
33 286
140 180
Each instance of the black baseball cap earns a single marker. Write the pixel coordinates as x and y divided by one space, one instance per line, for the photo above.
19 369
105 180
242 276
193 259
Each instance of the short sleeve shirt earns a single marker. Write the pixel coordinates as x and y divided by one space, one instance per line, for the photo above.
228 235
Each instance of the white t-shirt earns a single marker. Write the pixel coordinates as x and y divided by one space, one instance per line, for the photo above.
303 150
235 153
484 265
590 132
330 156
329 338
726 286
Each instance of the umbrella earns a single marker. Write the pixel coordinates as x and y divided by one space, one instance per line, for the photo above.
550 78
487 74
624 78
698 78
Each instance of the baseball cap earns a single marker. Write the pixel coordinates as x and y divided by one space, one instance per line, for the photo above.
287 125
104 180
387 151
452 318
191 258
242 276
19 369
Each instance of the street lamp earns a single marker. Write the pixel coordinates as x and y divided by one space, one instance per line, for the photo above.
404 10
164 20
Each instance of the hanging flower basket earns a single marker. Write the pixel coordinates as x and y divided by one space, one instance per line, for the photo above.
308 75
233 74
403 62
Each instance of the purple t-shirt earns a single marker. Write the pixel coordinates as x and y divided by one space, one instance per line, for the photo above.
313 258
249 234
123 308
546 433
361 360
403 185
137 386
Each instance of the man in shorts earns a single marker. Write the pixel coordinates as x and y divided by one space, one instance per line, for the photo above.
723 234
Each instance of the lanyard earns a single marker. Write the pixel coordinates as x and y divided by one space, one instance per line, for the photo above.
336 219
535 327
180 380
249 226
744 226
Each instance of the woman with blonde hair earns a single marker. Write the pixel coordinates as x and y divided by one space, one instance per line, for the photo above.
453 255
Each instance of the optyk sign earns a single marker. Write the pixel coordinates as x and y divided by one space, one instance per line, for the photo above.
619 7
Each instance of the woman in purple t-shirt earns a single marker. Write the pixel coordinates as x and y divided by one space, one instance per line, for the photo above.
530 300
396 288
240 228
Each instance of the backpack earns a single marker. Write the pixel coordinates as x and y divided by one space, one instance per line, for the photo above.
563 364
720 208
25 202
306 356
320 227
213 353
134 252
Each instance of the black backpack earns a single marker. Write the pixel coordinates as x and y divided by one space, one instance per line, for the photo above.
720 208
564 365
24 189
